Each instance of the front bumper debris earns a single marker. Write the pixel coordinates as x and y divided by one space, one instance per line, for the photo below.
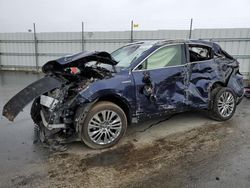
16 104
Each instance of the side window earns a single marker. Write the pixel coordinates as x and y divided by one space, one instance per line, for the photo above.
165 57
199 53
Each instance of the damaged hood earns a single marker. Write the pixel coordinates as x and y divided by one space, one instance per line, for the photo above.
48 83
77 60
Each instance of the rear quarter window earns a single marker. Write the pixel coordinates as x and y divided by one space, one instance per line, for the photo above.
199 53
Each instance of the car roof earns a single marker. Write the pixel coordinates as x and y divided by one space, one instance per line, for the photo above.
160 43
164 42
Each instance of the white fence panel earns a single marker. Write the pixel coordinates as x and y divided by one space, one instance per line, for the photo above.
18 49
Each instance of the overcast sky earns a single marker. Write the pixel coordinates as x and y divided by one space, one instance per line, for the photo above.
107 15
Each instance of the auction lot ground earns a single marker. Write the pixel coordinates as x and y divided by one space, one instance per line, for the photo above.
188 150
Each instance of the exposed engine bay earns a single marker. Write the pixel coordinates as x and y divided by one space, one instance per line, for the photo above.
55 104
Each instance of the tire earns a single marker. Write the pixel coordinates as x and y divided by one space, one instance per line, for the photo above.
106 122
40 131
223 104
35 111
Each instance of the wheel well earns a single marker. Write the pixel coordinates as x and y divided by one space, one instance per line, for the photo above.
217 84
119 102
212 93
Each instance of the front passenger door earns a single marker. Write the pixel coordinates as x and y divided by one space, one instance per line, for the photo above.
160 81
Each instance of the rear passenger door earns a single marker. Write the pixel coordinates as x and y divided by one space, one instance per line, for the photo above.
202 71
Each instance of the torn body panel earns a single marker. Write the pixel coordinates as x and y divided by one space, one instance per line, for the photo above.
57 74
236 84
24 97
208 65
202 77
168 91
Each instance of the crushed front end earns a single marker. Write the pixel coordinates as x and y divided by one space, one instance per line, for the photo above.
57 95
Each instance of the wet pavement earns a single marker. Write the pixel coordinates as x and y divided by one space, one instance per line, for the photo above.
189 150
19 157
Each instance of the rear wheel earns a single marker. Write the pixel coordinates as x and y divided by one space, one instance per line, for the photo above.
223 104
104 125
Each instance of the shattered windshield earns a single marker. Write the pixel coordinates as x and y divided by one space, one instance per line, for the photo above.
127 54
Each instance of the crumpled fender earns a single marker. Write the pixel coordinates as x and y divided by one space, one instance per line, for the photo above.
236 83
16 104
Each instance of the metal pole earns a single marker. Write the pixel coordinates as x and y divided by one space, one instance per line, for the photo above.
35 45
131 37
82 36
190 29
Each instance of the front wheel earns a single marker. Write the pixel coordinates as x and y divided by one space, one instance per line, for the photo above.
223 104
104 125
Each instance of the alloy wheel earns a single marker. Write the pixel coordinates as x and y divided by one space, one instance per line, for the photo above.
104 127
226 104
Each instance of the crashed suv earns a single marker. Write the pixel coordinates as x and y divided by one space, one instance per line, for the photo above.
93 96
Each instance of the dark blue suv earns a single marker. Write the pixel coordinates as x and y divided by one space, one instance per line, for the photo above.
93 96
